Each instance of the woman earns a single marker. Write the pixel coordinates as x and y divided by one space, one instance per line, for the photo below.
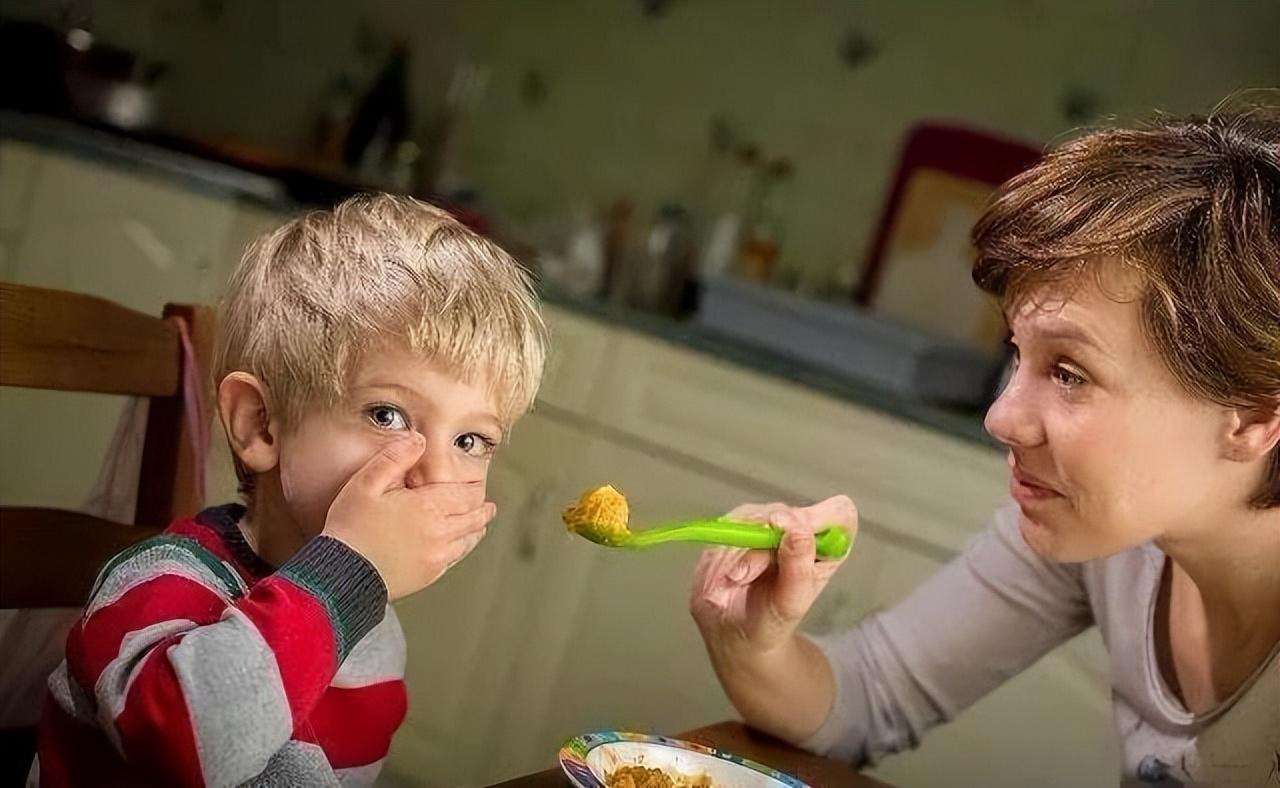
1139 270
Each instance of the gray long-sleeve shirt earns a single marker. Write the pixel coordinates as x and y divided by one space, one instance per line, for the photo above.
998 608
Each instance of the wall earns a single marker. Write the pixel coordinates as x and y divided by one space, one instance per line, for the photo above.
629 97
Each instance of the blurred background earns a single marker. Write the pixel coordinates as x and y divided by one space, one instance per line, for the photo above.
749 224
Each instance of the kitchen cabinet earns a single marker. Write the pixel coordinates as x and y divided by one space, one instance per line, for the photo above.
19 168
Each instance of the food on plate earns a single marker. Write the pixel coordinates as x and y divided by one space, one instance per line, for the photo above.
644 777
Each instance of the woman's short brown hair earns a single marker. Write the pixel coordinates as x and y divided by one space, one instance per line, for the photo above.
1194 205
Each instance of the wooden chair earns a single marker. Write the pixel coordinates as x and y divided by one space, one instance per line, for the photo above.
51 339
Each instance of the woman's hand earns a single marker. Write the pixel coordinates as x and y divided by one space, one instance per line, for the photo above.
748 604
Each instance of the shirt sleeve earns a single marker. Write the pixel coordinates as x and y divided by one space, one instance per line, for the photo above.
202 687
983 618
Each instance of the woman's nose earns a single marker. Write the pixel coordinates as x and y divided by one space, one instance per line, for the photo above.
1013 419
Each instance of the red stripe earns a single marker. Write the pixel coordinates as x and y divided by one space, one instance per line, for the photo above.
298 630
154 727
209 538
95 642
354 726
72 753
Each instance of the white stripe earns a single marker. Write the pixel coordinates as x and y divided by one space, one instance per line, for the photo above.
112 686
360 776
377 658
235 697
164 559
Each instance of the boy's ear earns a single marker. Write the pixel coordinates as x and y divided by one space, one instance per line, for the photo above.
1253 433
246 417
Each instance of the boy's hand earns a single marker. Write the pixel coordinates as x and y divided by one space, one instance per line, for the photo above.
411 536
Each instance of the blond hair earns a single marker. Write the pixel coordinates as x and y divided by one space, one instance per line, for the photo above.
1191 203
308 299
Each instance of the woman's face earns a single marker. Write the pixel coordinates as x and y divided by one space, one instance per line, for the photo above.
1106 448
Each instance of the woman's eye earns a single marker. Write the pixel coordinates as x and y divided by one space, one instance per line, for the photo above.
475 444
1066 377
387 417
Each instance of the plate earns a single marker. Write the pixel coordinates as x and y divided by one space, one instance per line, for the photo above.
589 758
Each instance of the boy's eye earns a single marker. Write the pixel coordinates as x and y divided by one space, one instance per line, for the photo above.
387 417
475 445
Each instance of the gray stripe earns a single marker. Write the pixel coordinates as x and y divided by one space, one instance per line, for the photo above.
69 696
360 776
163 559
190 551
235 696
112 687
295 764
378 657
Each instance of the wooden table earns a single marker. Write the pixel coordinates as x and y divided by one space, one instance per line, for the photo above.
738 739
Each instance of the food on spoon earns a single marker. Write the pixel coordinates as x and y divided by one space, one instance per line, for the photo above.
601 514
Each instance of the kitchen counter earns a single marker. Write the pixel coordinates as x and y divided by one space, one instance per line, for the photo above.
966 425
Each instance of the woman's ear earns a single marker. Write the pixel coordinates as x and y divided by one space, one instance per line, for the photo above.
1253 433
247 419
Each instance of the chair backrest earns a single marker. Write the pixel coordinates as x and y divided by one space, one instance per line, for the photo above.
52 339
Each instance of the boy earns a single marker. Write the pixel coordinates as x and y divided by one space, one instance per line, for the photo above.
369 361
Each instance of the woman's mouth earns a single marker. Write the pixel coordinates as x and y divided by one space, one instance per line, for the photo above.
1027 489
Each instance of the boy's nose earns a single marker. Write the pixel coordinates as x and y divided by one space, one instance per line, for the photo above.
437 465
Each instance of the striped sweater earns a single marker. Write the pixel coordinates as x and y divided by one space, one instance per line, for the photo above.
197 663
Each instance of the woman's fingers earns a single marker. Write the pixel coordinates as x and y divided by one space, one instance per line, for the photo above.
795 588
711 594
725 576
836 510
750 565
755 512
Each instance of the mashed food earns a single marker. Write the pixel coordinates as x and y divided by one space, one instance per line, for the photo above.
643 777
601 511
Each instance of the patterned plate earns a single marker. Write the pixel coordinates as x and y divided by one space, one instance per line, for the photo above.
589 758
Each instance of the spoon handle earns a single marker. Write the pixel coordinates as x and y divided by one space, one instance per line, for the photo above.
832 542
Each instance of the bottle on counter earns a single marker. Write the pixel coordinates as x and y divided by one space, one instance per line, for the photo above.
762 233
667 262
619 256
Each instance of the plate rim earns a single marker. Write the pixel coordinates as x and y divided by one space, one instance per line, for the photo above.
572 756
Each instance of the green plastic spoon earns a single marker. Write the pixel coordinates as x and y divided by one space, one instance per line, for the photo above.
833 542
602 515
